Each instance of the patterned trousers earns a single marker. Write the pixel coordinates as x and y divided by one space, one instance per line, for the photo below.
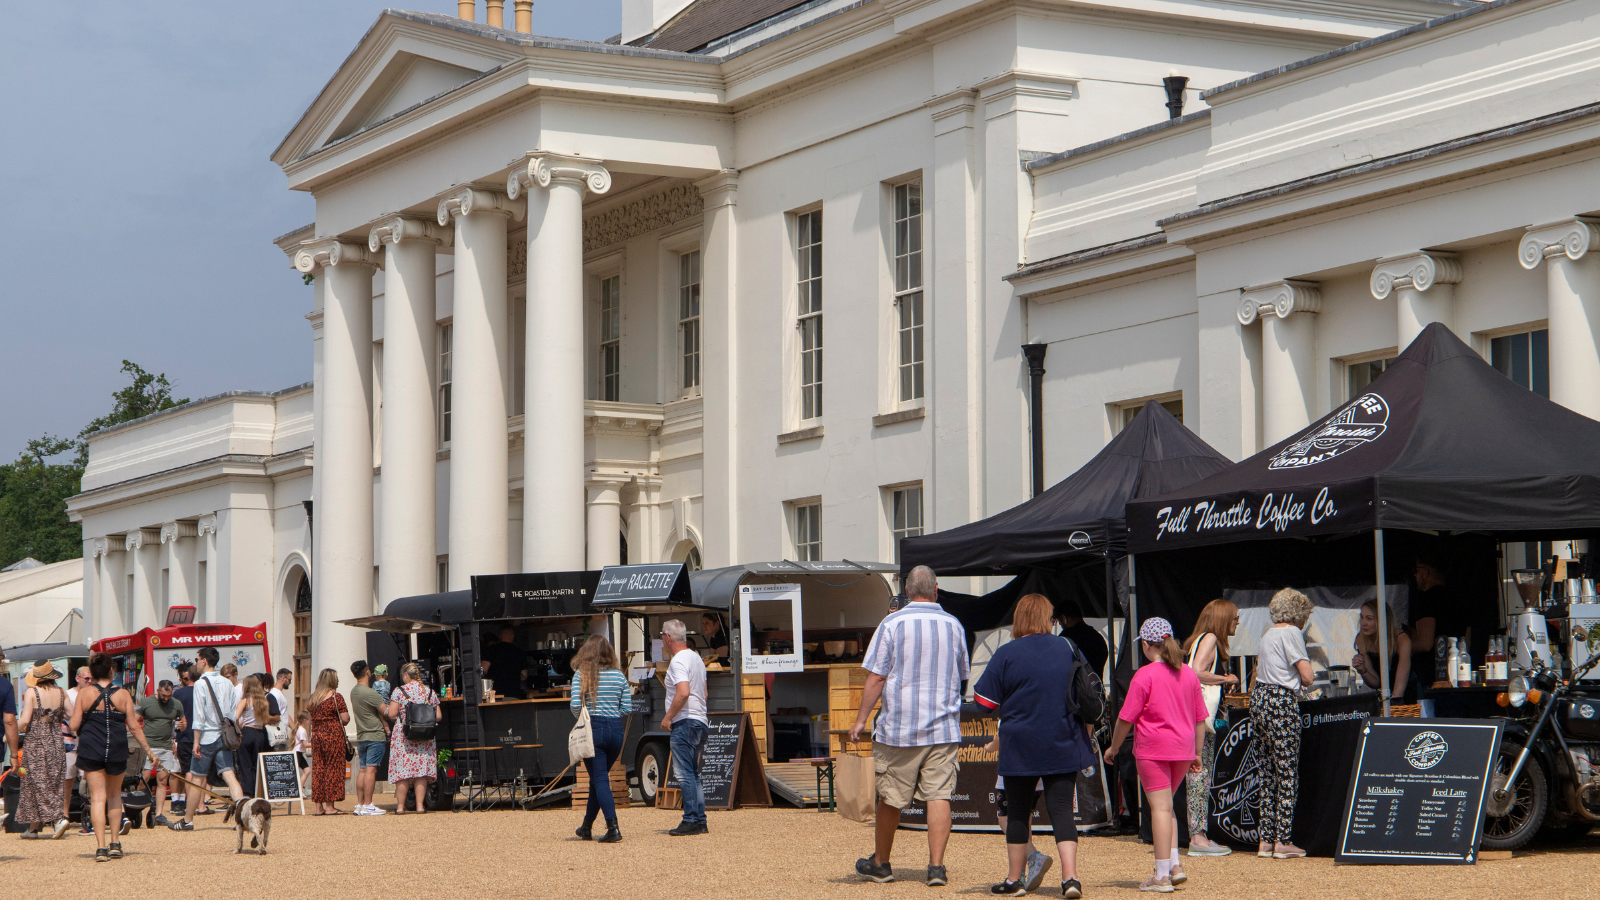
1275 715
1200 788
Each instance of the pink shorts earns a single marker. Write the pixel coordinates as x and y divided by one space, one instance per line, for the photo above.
1162 774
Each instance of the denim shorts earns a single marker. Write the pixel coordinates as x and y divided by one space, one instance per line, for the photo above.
370 753
210 753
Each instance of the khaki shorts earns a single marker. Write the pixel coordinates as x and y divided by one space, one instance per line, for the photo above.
926 773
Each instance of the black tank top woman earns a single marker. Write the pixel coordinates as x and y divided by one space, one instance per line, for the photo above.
104 735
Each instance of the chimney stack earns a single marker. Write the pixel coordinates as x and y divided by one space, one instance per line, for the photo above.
496 13
1175 86
524 14
466 9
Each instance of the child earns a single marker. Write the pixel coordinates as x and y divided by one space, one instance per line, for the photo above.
1165 704
380 681
302 741
1038 863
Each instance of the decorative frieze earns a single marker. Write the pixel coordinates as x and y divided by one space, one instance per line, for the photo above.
642 216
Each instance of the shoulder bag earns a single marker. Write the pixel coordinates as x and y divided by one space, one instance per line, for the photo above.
1210 693
1086 696
580 743
231 736
422 720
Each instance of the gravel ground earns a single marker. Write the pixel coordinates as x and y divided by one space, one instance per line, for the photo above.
749 854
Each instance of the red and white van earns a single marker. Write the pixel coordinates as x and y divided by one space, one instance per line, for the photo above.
151 655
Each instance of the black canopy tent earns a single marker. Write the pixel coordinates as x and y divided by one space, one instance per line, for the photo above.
1440 442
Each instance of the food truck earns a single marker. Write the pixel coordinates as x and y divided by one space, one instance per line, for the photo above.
149 656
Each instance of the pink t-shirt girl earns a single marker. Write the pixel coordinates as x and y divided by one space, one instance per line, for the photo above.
1164 706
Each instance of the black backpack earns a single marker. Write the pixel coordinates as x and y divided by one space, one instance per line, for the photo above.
1086 696
421 721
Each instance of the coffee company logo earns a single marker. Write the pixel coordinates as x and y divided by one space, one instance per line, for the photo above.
1363 419
1079 540
1425 750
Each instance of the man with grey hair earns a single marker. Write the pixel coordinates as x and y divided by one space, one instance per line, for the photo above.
686 719
916 663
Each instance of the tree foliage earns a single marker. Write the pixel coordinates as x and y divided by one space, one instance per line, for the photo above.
34 488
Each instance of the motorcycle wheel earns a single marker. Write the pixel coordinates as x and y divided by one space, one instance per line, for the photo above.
1529 802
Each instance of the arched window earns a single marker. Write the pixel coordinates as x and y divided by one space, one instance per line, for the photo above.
302 643
691 562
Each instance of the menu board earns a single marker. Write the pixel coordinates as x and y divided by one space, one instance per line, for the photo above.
731 773
280 777
1417 794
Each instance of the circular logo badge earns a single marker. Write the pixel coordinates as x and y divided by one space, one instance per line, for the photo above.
1425 750
155 641
1586 711
1079 540
1363 419
260 636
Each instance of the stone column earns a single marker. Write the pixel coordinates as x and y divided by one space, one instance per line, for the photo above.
1288 353
144 557
478 438
605 522
1572 291
178 552
343 568
1423 284
206 528
719 310
406 542
552 460
107 612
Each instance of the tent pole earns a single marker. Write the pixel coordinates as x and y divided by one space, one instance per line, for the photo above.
1111 625
1383 622
1133 615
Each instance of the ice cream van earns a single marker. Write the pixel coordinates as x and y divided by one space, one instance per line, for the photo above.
149 656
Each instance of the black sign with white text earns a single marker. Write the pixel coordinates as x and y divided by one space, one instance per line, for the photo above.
532 595
1417 793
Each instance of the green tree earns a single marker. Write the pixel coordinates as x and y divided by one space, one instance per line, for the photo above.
34 488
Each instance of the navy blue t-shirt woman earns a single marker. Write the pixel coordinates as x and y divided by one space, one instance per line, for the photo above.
1027 681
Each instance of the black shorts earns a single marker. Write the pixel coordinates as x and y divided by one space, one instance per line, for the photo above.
110 767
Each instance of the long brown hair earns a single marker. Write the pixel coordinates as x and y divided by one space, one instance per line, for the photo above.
1033 615
595 654
258 700
327 683
1216 619
1171 653
1366 645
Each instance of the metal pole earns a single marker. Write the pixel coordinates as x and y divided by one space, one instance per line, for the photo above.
1035 353
1383 621
1133 616
1111 626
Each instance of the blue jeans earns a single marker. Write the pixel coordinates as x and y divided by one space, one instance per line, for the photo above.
607 747
688 737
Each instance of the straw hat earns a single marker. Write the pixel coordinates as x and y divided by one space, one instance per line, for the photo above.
43 670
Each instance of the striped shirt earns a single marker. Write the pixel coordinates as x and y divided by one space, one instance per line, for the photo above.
611 699
922 651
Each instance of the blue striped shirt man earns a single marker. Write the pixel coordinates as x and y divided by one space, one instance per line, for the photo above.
612 698
921 652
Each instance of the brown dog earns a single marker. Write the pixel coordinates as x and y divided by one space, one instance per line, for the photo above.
255 816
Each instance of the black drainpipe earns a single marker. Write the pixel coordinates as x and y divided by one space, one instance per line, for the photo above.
1175 85
1035 353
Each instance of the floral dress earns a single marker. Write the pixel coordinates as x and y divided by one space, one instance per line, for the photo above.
45 758
327 750
408 758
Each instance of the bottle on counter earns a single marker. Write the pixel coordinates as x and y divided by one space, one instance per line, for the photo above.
1463 676
1496 661
1452 662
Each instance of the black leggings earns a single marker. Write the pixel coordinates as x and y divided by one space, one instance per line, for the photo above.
1058 794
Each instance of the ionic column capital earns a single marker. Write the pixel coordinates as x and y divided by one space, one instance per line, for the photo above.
180 529
330 252
140 537
1573 237
396 228
206 525
102 546
465 201
544 168
1283 299
1418 271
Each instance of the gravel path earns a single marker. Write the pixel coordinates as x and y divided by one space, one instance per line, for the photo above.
749 854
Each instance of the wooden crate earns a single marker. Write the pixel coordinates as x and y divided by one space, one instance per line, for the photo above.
845 684
753 695
619 786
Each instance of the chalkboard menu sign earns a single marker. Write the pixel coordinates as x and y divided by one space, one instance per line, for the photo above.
731 774
280 778
1417 794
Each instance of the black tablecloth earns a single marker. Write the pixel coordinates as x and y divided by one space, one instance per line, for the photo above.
1330 732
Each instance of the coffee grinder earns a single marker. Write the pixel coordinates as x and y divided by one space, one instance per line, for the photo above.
1530 634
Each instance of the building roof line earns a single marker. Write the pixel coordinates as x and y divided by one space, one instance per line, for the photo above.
225 395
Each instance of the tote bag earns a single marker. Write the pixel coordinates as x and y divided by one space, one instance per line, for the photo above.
1210 693
580 743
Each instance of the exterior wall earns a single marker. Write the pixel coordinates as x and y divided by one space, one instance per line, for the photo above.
34 601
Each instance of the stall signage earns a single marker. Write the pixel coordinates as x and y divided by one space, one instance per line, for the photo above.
279 781
731 773
1364 419
660 583
1418 791
771 597
532 595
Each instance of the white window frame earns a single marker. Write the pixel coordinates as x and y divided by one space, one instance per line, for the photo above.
445 349
908 269
809 286
608 340
805 528
1119 412
691 330
1485 341
898 528
1344 364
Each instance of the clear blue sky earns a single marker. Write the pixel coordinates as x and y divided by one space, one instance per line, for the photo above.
141 205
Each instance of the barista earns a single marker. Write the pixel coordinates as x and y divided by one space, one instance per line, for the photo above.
1435 611
507 663
715 636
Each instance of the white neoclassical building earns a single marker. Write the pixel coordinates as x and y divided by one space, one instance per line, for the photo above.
571 300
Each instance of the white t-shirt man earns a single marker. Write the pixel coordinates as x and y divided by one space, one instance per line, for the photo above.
285 715
687 666
206 720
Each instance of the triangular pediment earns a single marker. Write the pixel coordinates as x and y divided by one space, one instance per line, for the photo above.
407 80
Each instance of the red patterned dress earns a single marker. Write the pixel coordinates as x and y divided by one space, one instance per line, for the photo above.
327 750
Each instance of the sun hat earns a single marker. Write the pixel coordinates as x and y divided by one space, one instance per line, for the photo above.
42 670
1155 630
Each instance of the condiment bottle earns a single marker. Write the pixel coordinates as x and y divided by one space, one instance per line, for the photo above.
1464 664
1496 660
1452 662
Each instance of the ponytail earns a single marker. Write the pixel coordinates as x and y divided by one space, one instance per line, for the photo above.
1170 650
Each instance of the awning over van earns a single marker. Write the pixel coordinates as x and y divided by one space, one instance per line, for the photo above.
419 613
658 591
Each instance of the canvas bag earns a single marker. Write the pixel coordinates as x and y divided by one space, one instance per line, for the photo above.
1210 693
580 743
229 729
855 787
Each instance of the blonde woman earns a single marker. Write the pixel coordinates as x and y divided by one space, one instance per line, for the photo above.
1365 662
329 715
599 687
412 763
1207 650
1282 669
253 714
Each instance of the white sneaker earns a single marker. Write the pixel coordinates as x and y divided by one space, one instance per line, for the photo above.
360 810
373 810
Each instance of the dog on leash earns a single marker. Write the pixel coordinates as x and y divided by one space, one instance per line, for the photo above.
254 815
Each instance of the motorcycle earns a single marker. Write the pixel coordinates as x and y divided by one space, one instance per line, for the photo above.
1547 778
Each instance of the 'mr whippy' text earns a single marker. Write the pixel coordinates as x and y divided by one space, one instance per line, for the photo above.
1277 511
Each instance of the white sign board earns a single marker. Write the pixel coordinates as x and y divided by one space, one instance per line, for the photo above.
759 595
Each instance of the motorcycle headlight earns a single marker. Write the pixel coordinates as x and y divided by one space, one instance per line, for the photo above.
1517 691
